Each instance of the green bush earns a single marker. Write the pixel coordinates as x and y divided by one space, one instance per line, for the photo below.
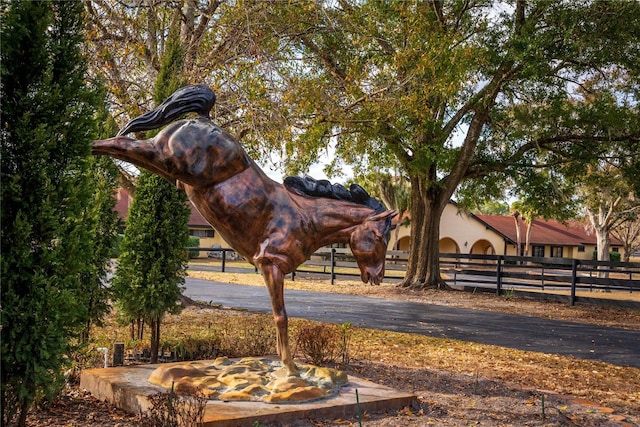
49 219
194 242
115 250
613 256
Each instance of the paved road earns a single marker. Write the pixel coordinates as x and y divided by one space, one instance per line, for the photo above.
611 345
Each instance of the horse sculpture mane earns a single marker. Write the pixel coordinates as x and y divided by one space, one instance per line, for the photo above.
309 186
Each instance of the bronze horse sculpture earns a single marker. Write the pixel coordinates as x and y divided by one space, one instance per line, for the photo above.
275 227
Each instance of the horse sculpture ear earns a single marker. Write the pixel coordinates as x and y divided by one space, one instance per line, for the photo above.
383 215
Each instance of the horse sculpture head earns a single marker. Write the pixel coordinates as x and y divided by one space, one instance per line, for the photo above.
369 246
368 240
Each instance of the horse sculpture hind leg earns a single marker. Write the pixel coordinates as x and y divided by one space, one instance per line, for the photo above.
274 280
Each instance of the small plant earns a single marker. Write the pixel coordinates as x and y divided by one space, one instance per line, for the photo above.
194 242
169 409
324 344
359 412
346 332
509 294
476 383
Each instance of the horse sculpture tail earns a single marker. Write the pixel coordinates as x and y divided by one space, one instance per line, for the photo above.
188 99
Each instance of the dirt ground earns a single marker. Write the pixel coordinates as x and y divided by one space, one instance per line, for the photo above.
444 397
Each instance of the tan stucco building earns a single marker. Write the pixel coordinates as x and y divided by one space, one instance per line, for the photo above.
467 233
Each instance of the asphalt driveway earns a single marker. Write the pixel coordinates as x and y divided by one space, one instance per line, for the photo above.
611 345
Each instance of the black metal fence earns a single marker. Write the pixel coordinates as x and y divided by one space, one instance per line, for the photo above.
510 272
490 272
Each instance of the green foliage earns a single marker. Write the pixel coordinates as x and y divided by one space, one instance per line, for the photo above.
170 75
47 220
153 261
613 256
194 242
103 222
115 249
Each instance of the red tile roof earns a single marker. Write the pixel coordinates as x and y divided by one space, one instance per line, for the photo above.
543 231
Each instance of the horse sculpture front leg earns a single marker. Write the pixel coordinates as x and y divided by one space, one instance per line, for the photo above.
274 280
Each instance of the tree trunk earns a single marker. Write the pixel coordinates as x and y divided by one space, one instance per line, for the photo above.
527 239
602 237
516 215
601 222
423 267
155 339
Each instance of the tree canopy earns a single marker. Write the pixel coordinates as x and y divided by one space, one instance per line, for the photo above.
447 93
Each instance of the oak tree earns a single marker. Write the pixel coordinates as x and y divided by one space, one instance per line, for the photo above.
447 91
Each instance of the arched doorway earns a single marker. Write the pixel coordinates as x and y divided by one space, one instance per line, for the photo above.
403 244
448 246
482 247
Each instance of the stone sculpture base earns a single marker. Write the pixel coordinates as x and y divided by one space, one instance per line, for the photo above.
128 387
249 379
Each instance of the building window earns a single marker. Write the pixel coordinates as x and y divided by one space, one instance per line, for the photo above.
615 249
201 233
556 251
537 251
581 248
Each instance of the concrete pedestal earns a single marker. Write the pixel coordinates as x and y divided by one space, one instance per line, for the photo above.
128 387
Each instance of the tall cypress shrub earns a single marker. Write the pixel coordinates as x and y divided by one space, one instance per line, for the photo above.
104 223
153 256
47 124
153 259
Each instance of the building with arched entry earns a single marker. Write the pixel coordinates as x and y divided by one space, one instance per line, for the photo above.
466 233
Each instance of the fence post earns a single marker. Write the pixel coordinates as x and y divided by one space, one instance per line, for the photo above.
224 259
333 266
574 274
499 276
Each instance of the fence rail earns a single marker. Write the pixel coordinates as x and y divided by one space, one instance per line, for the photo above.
497 272
510 272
